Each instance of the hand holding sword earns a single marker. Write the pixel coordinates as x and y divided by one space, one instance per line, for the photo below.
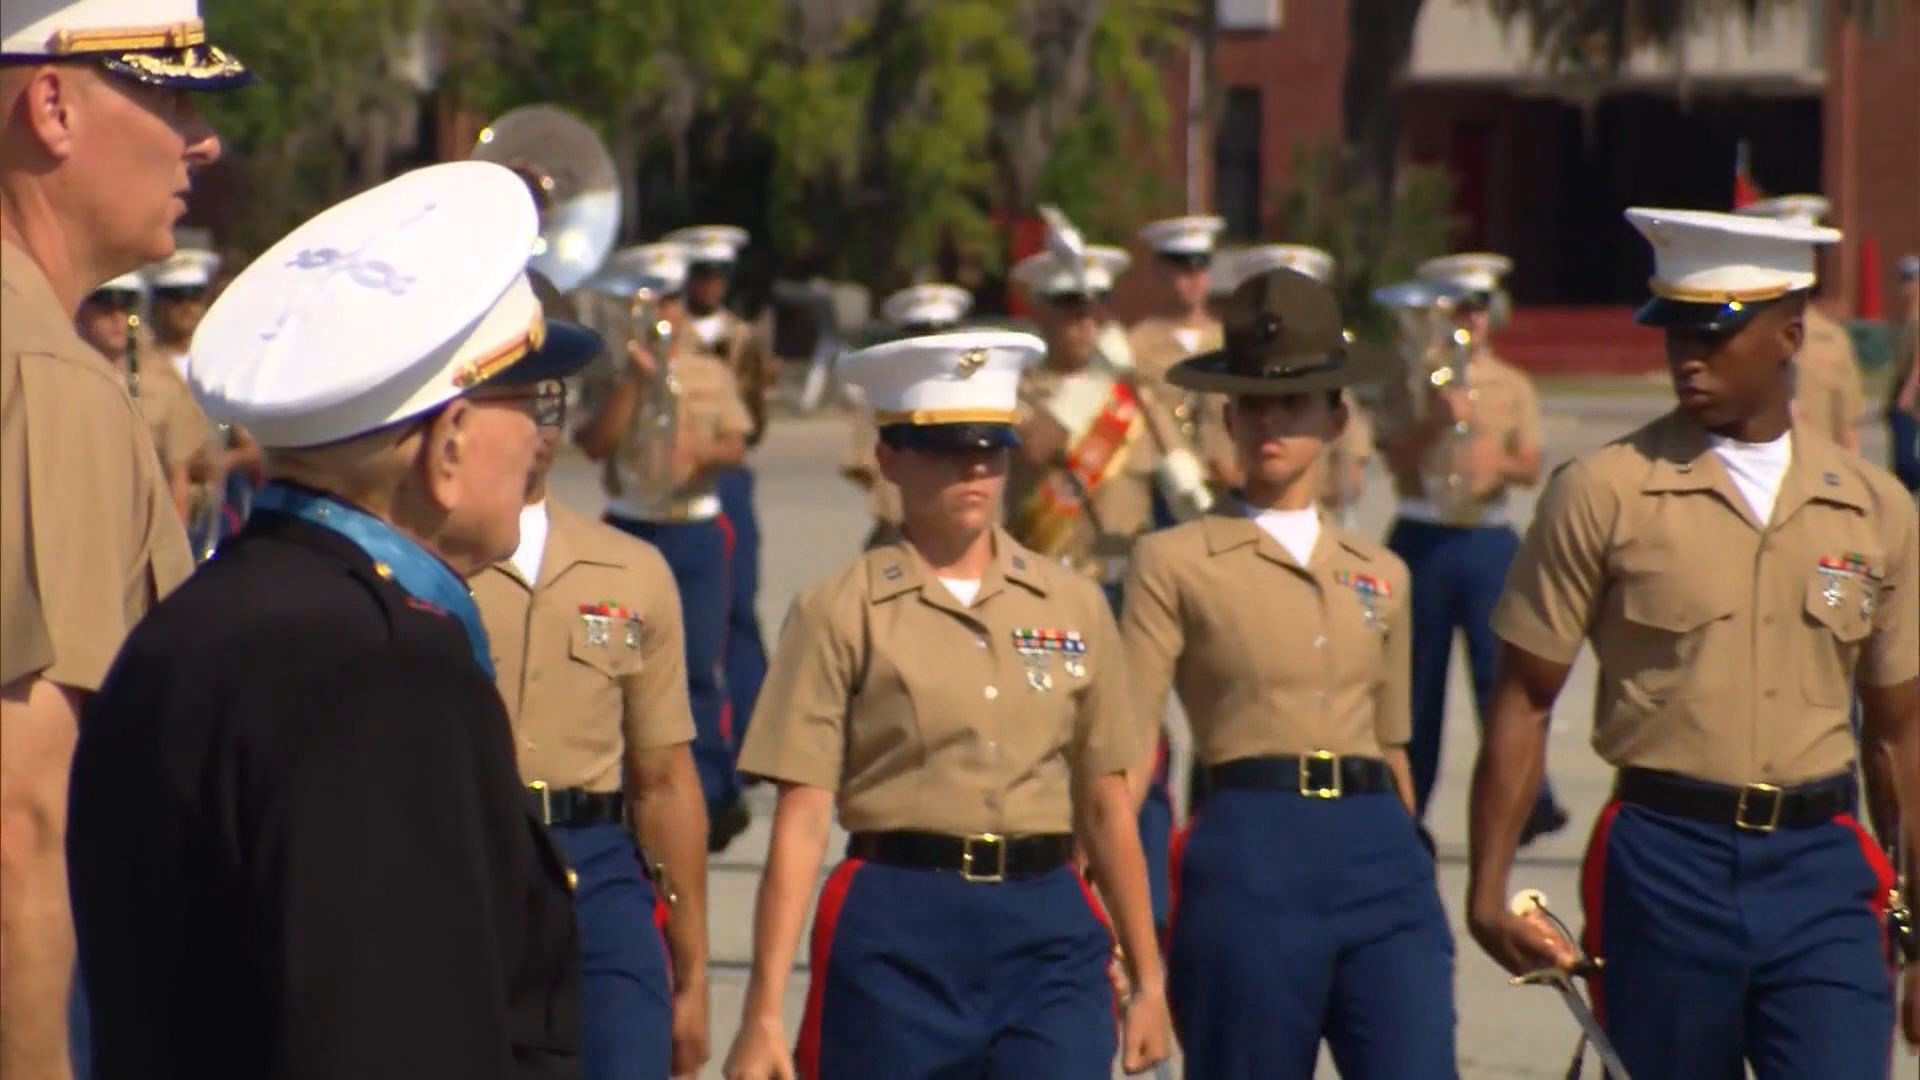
1529 910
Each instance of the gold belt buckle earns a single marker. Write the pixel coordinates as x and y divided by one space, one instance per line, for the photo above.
968 859
540 788
1330 790
1772 822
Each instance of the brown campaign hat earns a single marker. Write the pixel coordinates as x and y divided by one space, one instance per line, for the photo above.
1284 335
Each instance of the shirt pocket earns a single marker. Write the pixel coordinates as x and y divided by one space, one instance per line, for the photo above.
611 648
1840 615
1670 650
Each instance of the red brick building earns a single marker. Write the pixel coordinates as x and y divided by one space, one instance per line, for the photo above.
1542 169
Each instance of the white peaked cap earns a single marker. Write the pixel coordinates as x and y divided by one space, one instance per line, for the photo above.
1707 257
127 283
1798 209
661 266
1192 235
710 243
376 310
187 268
969 377
932 304
1048 274
1475 271
1300 258
58 27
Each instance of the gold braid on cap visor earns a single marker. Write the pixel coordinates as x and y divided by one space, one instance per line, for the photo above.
1666 290
474 372
180 35
928 417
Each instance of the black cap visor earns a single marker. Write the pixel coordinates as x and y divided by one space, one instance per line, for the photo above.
1186 260
1706 318
950 438
711 266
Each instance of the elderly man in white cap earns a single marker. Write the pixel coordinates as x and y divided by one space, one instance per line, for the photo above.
299 843
1737 575
98 143
930 308
1827 391
1452 526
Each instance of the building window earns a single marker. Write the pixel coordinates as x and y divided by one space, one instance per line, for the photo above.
1236 163
1249 14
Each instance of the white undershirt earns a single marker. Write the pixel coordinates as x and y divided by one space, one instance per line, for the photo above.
1188 337
178 360
533 541
963 589
1757 469
1296 530
709 327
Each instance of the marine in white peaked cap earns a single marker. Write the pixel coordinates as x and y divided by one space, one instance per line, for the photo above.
957 701
927 307
336 755
98 146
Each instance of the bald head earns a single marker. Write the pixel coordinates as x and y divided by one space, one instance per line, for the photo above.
94 170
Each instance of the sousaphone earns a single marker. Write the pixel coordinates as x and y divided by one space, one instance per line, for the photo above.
574 184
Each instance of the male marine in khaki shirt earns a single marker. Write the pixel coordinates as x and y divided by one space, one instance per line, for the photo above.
179 429
1827 395
585 630
98 140
1737 575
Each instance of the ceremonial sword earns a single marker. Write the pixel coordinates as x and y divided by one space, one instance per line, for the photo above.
1534 902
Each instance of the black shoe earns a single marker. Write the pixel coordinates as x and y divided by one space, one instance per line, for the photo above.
725 823
1547 818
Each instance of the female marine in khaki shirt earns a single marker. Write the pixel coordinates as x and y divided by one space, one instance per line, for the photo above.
963 705
1305 905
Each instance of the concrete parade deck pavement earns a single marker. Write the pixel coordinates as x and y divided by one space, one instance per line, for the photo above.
812 522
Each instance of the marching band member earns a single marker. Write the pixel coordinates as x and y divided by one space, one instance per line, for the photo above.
1080 485
174 420
712 251
911 312
958 699
1459 554
1183 249
1737 574
1307 906
682 521
180 285
584 624
299 843
1826 391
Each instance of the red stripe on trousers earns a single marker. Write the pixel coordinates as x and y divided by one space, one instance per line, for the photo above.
1883 874
826 915
728 539
1593 894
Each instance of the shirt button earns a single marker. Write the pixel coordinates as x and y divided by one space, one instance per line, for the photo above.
531 745
1320 642
991 692
1769 694
980 640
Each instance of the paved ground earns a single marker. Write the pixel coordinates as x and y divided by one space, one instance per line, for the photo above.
814 522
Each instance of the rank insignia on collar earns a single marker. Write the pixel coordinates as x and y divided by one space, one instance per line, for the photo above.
892 573
600 618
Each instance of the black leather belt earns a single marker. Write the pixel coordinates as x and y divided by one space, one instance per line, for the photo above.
986 857
564 808
1321 775
1754 808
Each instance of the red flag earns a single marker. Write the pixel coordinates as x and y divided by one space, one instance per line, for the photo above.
1870 304
1745 191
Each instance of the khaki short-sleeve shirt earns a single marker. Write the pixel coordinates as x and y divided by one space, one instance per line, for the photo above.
709 407
1827 393
1156 349
1728 651
1505 409
1268 656
747 358
178 427
590 658
88 536
924 713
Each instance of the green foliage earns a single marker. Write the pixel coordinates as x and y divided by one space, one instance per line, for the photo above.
1325 208
300 137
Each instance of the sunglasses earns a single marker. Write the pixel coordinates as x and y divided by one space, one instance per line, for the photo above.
546 401
115 300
